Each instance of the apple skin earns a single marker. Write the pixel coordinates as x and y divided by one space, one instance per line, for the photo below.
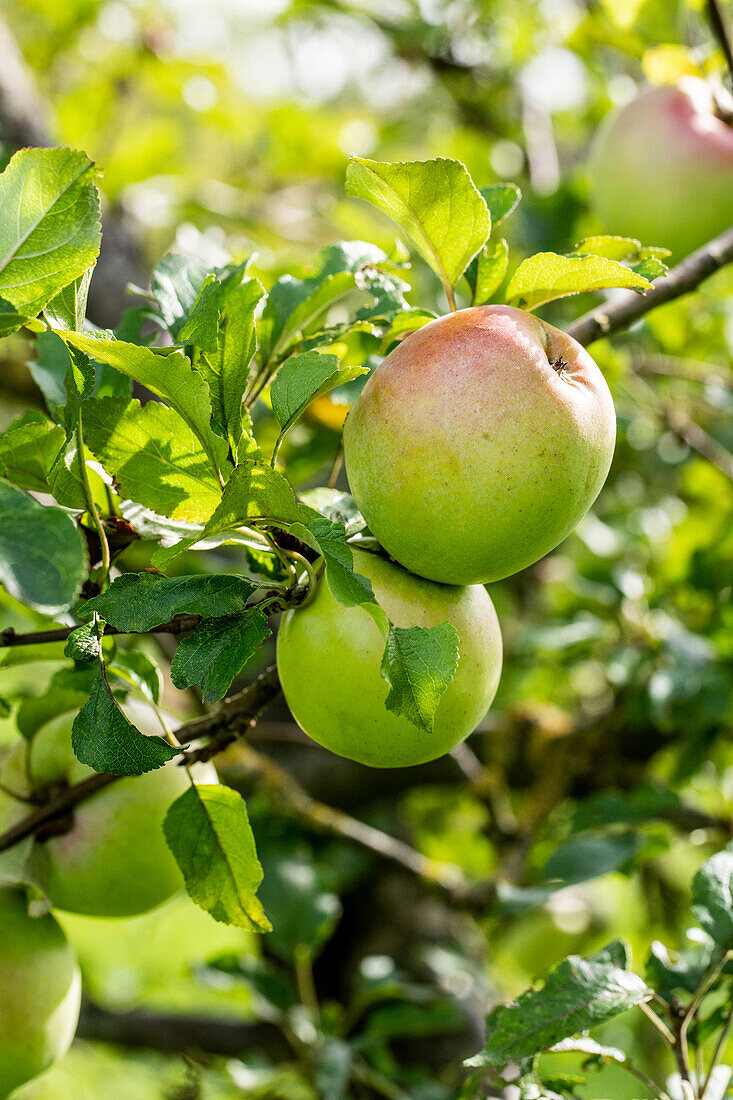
662 168
470 456
114 861
329 659
40 992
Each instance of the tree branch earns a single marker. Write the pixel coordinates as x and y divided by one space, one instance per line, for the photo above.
292 799
628 308
235 716
180 1033
180 624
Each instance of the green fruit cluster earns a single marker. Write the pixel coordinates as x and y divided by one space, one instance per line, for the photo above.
473 450
109 859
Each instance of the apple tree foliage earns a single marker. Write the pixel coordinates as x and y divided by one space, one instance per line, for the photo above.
150 432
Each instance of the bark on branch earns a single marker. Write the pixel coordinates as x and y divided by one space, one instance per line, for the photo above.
180 624
628 308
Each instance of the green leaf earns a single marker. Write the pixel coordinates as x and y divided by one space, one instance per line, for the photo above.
226 369
139 669
329 539
153 456
579 994
49 225
48 581
418 664
69 308
335 505
712 897
586 857
201 327
49 367
176 284
169 376
298 898
435 202
546 276
217 651
486 272
208 831
136 602
303 378
295 304
10 319
28 449
672 972
103 738
502 200
613 248
255 493
83 644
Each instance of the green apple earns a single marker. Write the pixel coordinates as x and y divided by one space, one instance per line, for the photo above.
329 660
479 443
662 168
40 992
111 859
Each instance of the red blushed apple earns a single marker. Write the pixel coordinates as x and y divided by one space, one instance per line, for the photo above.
662 168
479 443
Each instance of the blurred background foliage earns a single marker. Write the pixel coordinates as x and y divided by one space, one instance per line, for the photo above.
605 766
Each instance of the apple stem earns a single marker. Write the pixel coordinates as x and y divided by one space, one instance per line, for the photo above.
720 30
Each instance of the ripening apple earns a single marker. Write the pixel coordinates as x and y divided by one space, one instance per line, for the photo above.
40 992
662 168
479 443
111 859
329 660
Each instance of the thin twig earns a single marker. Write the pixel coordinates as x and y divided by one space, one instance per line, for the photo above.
224 726
718 1052
180 624
628 308
720 30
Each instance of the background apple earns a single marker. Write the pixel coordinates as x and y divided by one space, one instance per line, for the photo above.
40 992
662 168
329 659
479 443
113 861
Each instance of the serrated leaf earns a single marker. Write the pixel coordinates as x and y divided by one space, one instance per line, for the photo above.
502 200
201 327
69 307
169 376
104 739
583 1044
712 897
579 994
217 651
585 857
546 276
10 319
140 670
226 369
418 664
49 582
613 248
49 225
83 644
28 449
48 369
435 202
175 285
335 505
255 493
486 272
207 829
303 378
329 539
136 602
153 456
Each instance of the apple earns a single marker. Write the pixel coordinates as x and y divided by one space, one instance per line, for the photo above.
662 168
329 658
40 992
112 859
479 443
